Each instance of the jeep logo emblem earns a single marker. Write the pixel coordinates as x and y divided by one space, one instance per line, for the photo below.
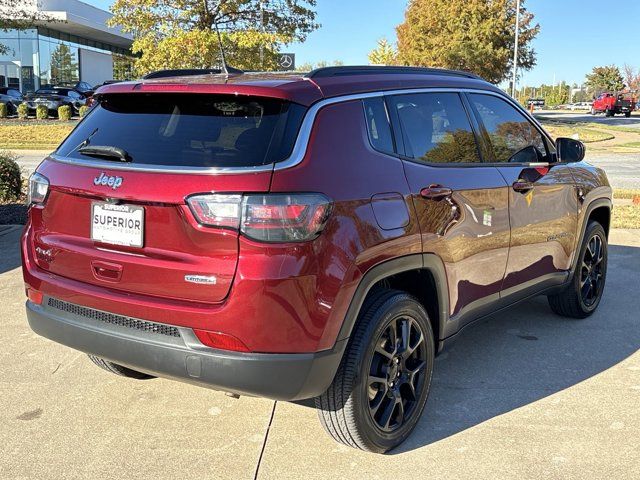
107 180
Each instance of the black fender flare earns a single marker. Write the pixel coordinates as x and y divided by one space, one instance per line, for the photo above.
426 261
588 210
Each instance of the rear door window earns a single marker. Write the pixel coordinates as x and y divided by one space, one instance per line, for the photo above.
436 128
190 130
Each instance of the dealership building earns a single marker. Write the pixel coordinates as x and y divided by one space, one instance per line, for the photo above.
71 43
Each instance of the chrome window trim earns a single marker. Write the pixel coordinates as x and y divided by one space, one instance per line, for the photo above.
302 140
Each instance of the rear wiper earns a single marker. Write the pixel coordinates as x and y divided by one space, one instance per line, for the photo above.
107 152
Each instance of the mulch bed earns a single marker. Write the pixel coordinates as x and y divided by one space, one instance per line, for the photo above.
13 214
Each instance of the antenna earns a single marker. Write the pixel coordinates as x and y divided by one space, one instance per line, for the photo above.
226 68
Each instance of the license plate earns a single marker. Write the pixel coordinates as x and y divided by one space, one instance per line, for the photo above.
117 224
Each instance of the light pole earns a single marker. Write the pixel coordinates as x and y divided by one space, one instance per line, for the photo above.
515 50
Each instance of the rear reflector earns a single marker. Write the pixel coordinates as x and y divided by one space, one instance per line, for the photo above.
266 218
222 341
34 296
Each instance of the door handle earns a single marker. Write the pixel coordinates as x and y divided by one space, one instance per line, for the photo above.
522 186
435 192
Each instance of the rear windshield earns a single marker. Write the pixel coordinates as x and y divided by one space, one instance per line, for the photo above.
193 130
52 91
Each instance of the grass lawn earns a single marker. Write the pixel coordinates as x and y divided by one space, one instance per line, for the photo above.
626 216
584 132
33 134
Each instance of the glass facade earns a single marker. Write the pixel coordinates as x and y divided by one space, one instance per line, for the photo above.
32 58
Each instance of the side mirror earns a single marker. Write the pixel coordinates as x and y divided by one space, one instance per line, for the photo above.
570 150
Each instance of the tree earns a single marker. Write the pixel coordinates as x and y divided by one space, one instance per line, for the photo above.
472 35
383 54
632 77
19 15
170 34
64 68
606 78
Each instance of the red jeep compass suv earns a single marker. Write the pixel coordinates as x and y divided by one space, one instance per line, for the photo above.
320 236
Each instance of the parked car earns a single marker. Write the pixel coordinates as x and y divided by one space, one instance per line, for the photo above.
83 87
611 104
580 106
321 236
12 98
54 97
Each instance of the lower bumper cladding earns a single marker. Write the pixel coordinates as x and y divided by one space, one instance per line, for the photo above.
176 353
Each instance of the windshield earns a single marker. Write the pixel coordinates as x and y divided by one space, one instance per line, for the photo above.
190 129
52 91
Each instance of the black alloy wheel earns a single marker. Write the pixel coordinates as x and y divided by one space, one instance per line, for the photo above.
582 295
397 373
591 271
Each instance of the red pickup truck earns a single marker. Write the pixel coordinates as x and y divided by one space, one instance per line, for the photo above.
612 104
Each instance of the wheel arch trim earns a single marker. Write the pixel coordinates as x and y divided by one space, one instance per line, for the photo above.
588 210
430 262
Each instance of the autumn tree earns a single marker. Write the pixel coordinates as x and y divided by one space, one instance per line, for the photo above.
603 79
632 77
170 34
383 54
471 35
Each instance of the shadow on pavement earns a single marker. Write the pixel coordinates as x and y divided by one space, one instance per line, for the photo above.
9 247
528 353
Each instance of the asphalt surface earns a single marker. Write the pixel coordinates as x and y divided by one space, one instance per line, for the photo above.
523 395
579 116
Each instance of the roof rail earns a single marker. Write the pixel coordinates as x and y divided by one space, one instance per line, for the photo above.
188 72
338 71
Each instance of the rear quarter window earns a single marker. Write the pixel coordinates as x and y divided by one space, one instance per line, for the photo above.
220 131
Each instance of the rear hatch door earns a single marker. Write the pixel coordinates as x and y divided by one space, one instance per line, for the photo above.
124 223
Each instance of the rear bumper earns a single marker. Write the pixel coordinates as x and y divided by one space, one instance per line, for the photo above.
182 357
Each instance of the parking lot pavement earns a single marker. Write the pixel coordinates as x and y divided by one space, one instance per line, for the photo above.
524 394
623 169
585 116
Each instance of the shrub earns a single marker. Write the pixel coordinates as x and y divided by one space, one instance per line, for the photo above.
3 110
42 112
84 110
64 113
10 178
23 111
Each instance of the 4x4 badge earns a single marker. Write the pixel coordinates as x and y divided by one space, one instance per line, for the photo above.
108 180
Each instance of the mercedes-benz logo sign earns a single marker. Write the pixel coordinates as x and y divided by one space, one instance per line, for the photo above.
286 61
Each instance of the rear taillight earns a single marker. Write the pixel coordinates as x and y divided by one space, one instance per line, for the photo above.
266 218
38 189
216 210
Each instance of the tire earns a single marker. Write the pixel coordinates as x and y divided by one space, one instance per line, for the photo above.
608 113
572 302
349 409
119 369
627 114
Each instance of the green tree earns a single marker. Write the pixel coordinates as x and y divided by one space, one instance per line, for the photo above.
383 54
64 68
472 35
182 34
603 79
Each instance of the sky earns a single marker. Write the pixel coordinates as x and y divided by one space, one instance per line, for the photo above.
575 35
